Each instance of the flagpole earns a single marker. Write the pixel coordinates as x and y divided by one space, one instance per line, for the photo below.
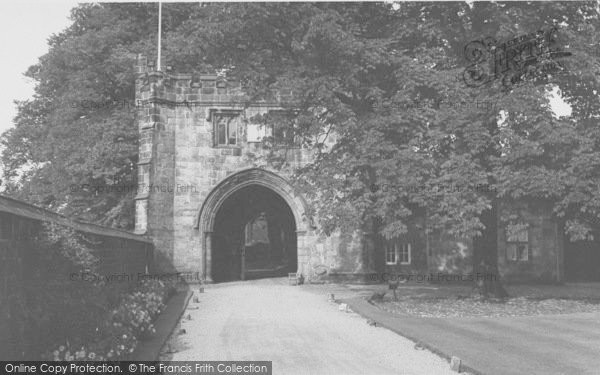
159 34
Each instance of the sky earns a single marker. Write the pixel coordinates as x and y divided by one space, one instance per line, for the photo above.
24 30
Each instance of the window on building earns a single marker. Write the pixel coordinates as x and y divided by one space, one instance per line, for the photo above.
226 128
517 243
397 251
404 255
391 255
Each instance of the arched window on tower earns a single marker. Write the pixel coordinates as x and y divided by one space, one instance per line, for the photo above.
225 127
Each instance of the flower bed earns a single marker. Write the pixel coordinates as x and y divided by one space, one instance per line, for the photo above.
118 333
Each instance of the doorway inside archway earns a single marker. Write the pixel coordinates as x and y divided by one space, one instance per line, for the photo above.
254 236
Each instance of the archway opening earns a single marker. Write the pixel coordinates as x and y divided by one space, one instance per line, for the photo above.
254 236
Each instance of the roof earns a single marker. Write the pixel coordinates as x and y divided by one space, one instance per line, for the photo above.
26 210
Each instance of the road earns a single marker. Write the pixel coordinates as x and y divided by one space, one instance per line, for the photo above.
296 328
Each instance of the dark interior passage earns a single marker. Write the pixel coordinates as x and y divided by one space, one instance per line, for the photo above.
254 236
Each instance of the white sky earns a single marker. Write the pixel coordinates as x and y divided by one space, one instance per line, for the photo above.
24 30
559 106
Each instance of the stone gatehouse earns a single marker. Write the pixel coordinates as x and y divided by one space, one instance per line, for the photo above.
214 204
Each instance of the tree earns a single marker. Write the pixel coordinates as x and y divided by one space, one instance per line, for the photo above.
359 69
74 145
378 79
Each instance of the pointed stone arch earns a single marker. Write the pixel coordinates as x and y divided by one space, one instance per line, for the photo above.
205 222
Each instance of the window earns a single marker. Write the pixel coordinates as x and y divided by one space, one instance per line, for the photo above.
397 251
404 253
391 256
226 128
517 243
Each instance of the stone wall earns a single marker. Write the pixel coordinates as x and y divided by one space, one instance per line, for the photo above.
118 252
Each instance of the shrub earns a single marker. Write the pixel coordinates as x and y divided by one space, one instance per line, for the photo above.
84 320
116 337
138 309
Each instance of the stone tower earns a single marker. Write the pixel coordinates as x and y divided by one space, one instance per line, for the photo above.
204 182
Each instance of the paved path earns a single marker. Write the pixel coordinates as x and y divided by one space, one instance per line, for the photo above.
297 329
550 345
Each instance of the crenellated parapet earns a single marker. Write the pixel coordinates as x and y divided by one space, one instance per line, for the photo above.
187 90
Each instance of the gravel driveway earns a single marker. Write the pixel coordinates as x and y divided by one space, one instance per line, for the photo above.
297 329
